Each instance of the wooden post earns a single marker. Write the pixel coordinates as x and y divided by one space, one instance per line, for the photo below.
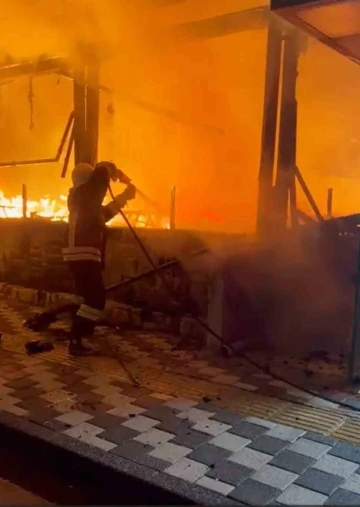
329 206
79 113
172 207
24 200
285 177
92 112
269 128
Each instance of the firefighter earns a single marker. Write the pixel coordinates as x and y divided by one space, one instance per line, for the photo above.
85 248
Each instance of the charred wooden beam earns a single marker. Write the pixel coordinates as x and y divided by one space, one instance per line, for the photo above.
79 114
153 108
34 67
44 160
92 113
226 24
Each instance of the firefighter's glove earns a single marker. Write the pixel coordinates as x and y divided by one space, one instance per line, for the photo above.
129 192
122 199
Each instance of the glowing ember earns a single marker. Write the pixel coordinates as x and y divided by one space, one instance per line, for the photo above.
56 210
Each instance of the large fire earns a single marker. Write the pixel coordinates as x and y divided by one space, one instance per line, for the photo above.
56 210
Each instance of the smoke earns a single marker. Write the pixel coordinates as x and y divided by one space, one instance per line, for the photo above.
295 293
186 114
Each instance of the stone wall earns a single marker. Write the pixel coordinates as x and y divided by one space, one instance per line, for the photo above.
30 256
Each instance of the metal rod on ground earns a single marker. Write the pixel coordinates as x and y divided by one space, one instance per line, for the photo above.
172 207
24 200
329 203
309 197
152 271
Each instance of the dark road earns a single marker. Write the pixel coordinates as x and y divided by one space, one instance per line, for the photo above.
22 483
12 494
27 482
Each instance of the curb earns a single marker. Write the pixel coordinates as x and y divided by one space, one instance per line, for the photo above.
186 327
120 481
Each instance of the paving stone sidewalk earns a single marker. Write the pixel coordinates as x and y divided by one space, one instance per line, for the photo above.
250 460
322 377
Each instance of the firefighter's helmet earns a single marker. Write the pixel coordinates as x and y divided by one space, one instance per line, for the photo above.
81 173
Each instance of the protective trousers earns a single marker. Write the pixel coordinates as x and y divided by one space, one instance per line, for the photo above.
89 285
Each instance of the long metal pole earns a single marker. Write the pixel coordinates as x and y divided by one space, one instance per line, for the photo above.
268 141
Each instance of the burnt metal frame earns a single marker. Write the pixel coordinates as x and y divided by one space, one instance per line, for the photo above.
279 133
85 117
288 9
354 357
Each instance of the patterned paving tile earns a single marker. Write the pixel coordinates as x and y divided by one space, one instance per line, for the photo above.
275 477
209 454
321 482
343 497
230 473
238 373
336 466
292 461
252 492
249 459
268 445
214 485
187 469
309 448
230 442
297 495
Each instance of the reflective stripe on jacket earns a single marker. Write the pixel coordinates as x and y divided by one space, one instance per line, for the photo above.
86 233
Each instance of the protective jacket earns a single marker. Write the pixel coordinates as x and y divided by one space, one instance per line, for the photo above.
86 236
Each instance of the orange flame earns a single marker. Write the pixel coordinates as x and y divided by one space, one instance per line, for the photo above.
56 210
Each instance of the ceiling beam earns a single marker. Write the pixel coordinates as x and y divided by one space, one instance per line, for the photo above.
226 24
33 67
61 66
151 107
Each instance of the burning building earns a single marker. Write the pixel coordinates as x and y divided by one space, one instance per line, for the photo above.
174 124
173 109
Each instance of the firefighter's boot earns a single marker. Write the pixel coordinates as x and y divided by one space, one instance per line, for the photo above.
78 348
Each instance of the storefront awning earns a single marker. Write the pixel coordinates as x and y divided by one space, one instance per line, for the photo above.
336 23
